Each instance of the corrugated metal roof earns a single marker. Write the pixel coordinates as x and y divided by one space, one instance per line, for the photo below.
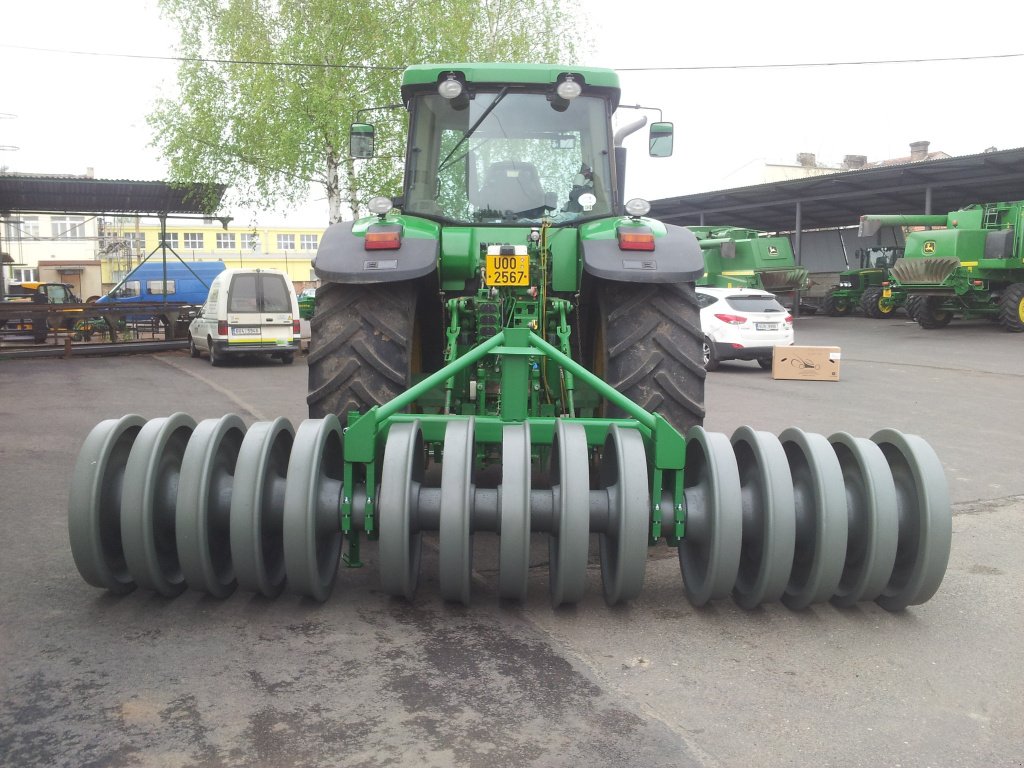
81 194
840 199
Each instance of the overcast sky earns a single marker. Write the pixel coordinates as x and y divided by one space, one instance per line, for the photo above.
67 112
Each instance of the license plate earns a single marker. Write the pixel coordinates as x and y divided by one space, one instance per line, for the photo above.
245 331
507 270
766 326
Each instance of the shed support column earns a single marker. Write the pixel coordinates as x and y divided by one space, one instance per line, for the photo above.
928 202
702 218
796 256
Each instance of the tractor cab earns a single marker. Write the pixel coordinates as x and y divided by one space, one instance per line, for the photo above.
510 145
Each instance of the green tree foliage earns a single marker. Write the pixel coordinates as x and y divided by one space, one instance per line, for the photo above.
269 87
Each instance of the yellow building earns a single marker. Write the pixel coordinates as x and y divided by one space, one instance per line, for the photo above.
125 242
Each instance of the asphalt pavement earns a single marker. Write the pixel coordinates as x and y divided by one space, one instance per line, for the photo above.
89 679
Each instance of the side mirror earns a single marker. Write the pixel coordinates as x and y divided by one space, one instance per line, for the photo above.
360 140
660 140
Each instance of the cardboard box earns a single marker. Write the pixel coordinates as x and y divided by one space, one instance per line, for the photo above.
806 363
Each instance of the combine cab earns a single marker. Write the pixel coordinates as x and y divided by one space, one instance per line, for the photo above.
509 349
868 287
973 266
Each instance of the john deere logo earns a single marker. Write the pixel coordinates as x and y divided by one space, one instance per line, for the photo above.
773 250
929 247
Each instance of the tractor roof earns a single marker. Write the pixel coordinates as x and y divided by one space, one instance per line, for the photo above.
504 74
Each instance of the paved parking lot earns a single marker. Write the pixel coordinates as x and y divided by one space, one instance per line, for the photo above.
366 680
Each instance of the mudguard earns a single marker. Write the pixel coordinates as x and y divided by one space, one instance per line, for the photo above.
342 257
676 258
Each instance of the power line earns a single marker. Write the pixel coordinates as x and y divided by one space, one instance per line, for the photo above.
694 68
200 59
866 62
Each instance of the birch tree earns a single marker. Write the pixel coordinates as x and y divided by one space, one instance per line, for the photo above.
268 88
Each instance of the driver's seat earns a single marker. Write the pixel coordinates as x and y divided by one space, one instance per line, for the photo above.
510 185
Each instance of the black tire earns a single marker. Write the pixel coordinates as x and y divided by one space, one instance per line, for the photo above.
930 315
287 358
1011 308
646 342
911 305
214 357
708 355
193 350
836 306
875 305
765 363
366 342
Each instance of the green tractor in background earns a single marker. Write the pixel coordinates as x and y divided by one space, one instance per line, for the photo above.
867 287
509 348
735 257
972 267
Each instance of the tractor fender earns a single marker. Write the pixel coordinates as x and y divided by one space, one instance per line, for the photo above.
676 258
342 257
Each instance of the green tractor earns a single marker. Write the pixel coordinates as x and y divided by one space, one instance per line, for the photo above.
973 266
735 257
510 349
867 287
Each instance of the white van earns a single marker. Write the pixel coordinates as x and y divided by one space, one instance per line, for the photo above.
248 311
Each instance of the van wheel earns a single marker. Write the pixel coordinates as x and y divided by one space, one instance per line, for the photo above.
193 350
214 357
287 358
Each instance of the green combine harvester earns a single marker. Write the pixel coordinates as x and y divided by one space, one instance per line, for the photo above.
972 267
868 287
735 257
508 349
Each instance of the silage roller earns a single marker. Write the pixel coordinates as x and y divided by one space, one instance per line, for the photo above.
167 503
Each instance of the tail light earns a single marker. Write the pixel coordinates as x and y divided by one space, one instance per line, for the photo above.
222 327
296 328
789 319
635 238
732 319
383 237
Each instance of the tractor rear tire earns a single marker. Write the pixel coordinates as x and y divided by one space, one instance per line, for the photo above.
836 306
930 315
875 305
1011 308
646 342
365 346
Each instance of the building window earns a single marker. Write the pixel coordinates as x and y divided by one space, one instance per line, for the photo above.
194 241
23 228
67 227
25 274
226 240
286 242
308 242
171 239
136 241
250 241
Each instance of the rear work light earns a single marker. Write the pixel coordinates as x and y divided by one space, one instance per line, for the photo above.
635 238
383 237
732 319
